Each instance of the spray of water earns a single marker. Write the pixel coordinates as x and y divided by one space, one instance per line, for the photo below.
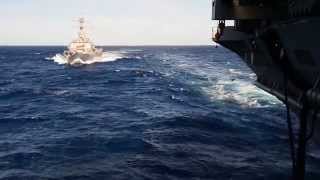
107 57
241 92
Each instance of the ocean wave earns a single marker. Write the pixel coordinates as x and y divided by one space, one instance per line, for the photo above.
236 72
188 117
233 84
241 92
131 50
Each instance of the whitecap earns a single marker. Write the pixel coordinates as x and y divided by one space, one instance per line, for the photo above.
236 72
60 92
243 93
134 50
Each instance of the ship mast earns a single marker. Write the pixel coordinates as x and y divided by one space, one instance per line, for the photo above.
82 34
81 21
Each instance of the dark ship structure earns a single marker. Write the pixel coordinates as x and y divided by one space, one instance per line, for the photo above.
279 40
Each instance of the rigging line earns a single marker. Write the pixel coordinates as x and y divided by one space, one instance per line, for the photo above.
289 121
315 112
313 125
301 152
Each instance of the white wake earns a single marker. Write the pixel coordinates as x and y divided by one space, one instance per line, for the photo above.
106 57
244 93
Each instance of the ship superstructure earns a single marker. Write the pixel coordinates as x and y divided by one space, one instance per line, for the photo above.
82 49
279 41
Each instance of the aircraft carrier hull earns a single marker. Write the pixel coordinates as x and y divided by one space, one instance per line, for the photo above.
286 59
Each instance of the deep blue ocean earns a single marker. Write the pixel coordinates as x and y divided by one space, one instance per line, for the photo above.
150 113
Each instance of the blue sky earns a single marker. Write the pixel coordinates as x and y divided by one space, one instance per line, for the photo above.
110 22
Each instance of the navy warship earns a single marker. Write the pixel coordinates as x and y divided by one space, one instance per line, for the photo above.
81 49
279 41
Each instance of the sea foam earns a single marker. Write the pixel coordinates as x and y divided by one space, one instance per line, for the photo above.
106 57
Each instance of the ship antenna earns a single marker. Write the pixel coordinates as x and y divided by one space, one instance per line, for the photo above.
81 21
82 33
